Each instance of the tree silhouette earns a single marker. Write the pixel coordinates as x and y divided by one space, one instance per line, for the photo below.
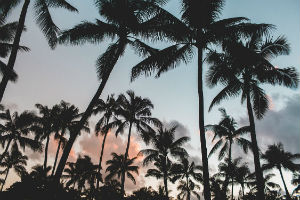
242 68
164 146
125 21
276 157
186 172
198 28
133 111
15 131
227 133
43 19
117 166
14 160
296 178
106 108
242 176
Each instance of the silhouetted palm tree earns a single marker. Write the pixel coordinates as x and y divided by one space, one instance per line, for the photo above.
15 131
106 108
186 172
164 146
43 19
7 33
276 157
227 133
296 178
242 176
125 22
134 111
242 69
199 27
14 160
117 166
81 172
216 188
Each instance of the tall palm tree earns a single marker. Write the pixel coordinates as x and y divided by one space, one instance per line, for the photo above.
125 20
186 172
164 146
15 131
198 28
117 166
106 108
133 111
43 19
14 160
242 68
81 172
276 157
227 133
66 120
45 126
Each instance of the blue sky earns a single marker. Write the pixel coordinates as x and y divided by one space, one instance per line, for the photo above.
68 73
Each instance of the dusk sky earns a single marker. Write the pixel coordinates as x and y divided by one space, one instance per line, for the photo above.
68 73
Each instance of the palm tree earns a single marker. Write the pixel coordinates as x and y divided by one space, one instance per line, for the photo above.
216 187
187 171
82 172
45 126
228 134
7 32
242 68
164 147
65 121
125 21
43 19
198 28
296 178
14 160
276 157
269 186
15 131
242 176
106 108
117 166
134 112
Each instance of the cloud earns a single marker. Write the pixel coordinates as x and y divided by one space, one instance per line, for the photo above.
280 125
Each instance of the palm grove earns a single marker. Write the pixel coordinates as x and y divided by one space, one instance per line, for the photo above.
238 55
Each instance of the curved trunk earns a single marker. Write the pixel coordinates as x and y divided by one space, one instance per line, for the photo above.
56 157
5 151
46 151
14 51
124 161
206 185
84 118
100 161
288 196
258 171
4 180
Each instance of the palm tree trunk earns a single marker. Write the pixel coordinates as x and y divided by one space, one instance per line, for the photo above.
14 51
56 157
73 136
46 151
207 195
288 196
4 180
188 189
100 161
258 171
125 158
230 165
243 190
5 151
166 185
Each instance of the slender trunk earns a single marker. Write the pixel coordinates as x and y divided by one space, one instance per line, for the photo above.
288 196
243 191
258 171
188 189
207 195
4 180
46 151
56 157
14 51
84 118
100 161
5 151
124 161
166 185
231 167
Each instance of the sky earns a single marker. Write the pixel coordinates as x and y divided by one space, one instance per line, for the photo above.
68 73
